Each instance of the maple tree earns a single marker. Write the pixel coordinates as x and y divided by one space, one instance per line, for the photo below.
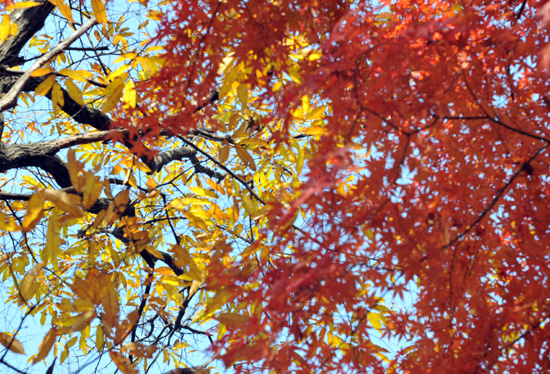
275 177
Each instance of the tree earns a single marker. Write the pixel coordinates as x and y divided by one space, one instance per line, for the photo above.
275 177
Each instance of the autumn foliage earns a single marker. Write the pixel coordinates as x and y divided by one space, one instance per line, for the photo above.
309 186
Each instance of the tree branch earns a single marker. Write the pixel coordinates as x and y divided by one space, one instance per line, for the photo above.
10 98
29 21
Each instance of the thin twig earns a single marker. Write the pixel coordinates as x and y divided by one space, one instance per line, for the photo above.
244 183
498 195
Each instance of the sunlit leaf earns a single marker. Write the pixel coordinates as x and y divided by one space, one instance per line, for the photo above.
64 201
117 206
35 211
53 240
92 190
63 8
29 285
44 87
57 95
4 28
99 11
74 92
23 5
113 93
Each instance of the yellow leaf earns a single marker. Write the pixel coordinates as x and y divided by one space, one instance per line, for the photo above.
248 204
110 301
46 345
197 213
295 75
83 320
184 258
314 55
315 130
99 11
113 93
7 340
35 211
119 71
92 190
99 219
4 28
149 64
229 81
198 191
81 305
242 94
43 88
153 251
216 187
123 363
74 167
232 319
41 72
23 4
29 285
53 240
151 184
317 113
8 223
78 75
195 285
277 86
129 96
305 105
74 92
376 320
222 297
218 213
117 207
369 233
57 95
64 202
63 8
99 338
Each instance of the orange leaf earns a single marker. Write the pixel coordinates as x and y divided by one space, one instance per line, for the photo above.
7 340
35 211
126 326
123 363
232 319
46 345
